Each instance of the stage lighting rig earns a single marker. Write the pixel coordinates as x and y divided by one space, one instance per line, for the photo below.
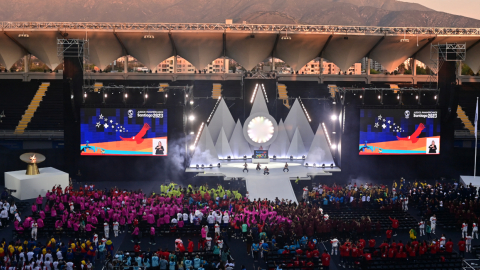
323 166
274 157
306 164
244 157
303 157
331 165
197 166
203 166
314 165
218 165
229 158
291 157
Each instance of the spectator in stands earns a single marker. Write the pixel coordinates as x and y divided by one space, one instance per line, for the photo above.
325 260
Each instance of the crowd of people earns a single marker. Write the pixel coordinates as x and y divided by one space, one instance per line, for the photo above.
94 217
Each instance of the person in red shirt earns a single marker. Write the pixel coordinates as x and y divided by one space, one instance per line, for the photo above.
411 251
394 225
190 245
355 253
422 249
371 245
389 235
391 252
449 246
326 259
461 247
433 248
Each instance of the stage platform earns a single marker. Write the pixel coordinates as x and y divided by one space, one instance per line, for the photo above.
30 186
467 179
277 184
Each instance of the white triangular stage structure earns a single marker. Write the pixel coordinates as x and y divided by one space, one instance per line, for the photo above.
296 118
222 146
319 152
297 147
281 144
205 152
259 103
222 118
238 144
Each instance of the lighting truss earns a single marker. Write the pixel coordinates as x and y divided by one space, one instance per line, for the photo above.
237 27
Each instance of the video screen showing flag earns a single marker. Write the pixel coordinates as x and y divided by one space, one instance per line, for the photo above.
399 132
259 154
123 132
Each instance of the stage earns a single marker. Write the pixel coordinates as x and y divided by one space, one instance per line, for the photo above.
277 184
467 179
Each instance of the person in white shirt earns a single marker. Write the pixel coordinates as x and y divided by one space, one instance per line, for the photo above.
70 265
464 230
474 230
217 228
55 265
4 216
106 229
34 230
17 217
405 204
30 255
335 244
468 243
443 240
433 223
209 242
179 216
218 217
210 219
115 228
421 227
174 221
185 217
59 255
226 218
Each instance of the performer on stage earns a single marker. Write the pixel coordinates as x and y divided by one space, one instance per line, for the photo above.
266 171
258 167
245 167
286 167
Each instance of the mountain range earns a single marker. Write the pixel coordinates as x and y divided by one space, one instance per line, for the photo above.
320 12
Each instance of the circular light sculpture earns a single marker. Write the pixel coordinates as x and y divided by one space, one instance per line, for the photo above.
260 129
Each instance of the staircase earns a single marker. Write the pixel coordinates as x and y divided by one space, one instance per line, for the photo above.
32 108
466 122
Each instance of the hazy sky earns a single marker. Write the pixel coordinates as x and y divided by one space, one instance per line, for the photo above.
467 8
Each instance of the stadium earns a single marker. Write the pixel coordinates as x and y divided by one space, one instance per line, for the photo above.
238 145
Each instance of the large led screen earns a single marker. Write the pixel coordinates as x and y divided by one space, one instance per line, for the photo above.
399 132
123 132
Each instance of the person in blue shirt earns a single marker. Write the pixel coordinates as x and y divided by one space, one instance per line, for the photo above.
171 265
155 260
255 250
188 263
303 241
265 250
196 262
138 260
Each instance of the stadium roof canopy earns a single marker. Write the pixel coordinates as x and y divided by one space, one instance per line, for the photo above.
248 44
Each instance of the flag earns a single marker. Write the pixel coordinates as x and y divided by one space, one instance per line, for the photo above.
476 119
